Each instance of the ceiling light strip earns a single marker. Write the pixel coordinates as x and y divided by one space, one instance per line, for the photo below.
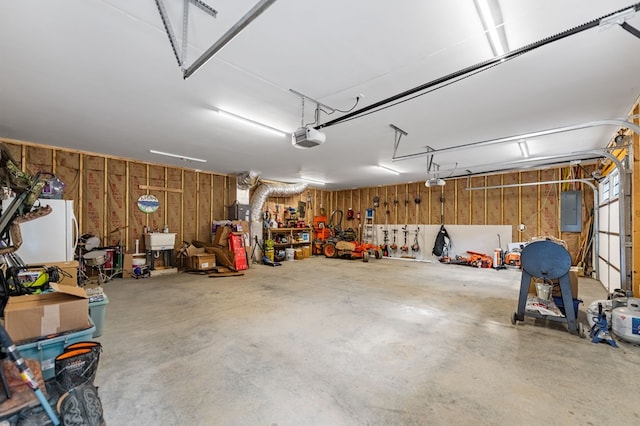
387 169
250 122
316 181
181 157
490 27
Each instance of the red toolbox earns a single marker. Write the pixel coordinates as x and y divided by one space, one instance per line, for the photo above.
236 244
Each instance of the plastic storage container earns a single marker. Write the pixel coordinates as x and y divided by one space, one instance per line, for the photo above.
560 304
290 253
46 351
96 312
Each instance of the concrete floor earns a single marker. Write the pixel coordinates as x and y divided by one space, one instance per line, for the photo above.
336 342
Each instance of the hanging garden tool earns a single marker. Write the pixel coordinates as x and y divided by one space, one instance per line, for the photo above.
405 231
385 246
394 246
415 246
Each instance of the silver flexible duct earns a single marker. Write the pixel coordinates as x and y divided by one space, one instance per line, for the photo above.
259 197
246 180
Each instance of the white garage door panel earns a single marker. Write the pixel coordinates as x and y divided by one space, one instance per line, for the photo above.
604 273
614 221
603 220
614 279
604 246
614 250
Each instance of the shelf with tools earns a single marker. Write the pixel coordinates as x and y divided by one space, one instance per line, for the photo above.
290 237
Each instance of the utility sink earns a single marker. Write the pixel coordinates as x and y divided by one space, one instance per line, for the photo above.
160 241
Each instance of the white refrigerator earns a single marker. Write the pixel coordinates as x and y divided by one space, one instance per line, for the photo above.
52 238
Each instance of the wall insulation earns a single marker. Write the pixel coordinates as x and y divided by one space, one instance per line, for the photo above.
494 206
93 199
116 217
137 178
106 190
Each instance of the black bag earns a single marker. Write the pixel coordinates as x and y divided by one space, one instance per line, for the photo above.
442 242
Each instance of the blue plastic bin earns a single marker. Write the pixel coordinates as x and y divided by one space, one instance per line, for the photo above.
560 304
46 351
96 312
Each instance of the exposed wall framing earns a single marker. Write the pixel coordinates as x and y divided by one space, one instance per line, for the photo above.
106 190
537 207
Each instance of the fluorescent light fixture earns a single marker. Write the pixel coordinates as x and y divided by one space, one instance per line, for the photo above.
524 149
490 27
182 157
249 122
316 181
387 169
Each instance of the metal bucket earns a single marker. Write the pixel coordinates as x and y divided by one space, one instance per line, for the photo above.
543 290
95 258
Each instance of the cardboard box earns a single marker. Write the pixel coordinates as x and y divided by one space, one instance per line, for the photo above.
202 261
579 270
193 250
222 236
298 255
36 315
306 251
240 226
127 262
69 275
223 256
573 282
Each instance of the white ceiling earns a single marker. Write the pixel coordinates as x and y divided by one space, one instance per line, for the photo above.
100 75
